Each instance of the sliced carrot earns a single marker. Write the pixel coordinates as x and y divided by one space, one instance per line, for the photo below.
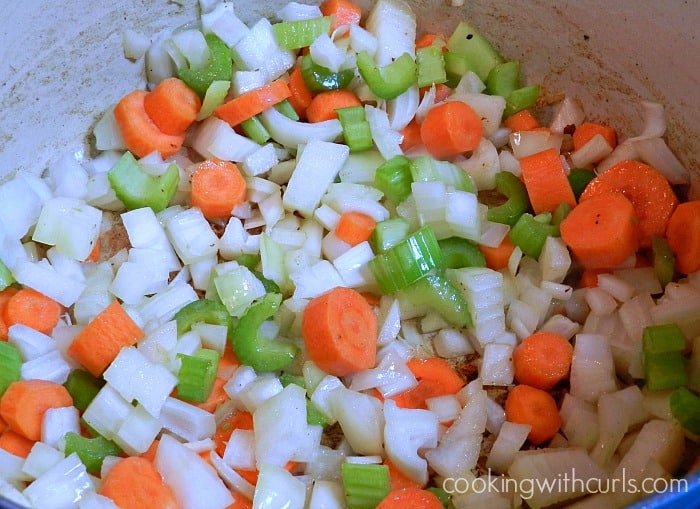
141 135
651 195
217 396
4 298
451 128
251 103
528 405
150 453
542 360
343 12
99 343
601 231
340 331
94 255
16 444
398 480
588 130
413 498
429 39
546 182
134 483
523 120
324 104
240 501
32 309
217 187
172 106
683 235
497 257
25 402
237 420
435 378
589 277
301 96
411 136
355 227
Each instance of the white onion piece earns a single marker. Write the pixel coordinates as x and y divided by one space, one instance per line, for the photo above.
656 153
525 143
567 112
593 151
402 109
135 44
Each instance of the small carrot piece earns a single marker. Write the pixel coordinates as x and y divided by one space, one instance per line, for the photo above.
683 236
529 405
398 480
435 378
355 227
523 120
240 501
415 498
4 299
451 128
94 255
429 39
16 444
217 187
99 343
442 92
134 483
340 331
343 12
588 130
253 102
542 360
589 277
651 195
546 182
237 420
411 136
172 106
32 309
324 104
25 402
497 257
141 135
301 96
217 396
601 231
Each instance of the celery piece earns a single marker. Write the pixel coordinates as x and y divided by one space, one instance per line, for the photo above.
662 353
388 233
197 374
431 66
91 451
203 310
214 97
685 408
356 130
456 66
254 129
393 178
521 99
314 416
664 260
286 109
390 81
458 253
530 234
365 485
136 189
6 277
269 285
10 365
220 67
427 169
560 214
83 387
443 496
579 179
255 350
662 338
248 260
440 295
407 261
478 53
517 200
503 78
320 79
300 33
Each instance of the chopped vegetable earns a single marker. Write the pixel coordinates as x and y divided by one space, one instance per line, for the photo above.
535 407
136 189
683 235
134 482
542 360
217 188
450 129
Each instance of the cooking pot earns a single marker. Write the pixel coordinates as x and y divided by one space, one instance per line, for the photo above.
62 64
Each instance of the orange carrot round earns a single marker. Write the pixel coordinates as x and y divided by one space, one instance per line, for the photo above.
589 277
141 135
134 483
451 128
217 187
324 104
546 182
355 227
528 405
397 479
301 96
542 360
33 309
343 12
497 257
601 231
413 498
588 130
4 299
253 102
683 236
648 190
411 136
523 120
340 332
435 378
16 444
25 402
172 106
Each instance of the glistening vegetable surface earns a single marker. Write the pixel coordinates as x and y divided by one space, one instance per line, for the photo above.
340 352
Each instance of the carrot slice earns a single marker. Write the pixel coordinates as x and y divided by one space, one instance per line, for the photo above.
523 120
648 190
415 498
435 378
134 483
25 402
427 40
217 187
343 12
398 480
172 106
451 128
601 231
588 130
251 103
546 182
542 360
33 309
16 444
324 104
355 227
340 331
301 96
94 255
529 405
411 136
141 135
497 257
4 299
683 235
99 343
